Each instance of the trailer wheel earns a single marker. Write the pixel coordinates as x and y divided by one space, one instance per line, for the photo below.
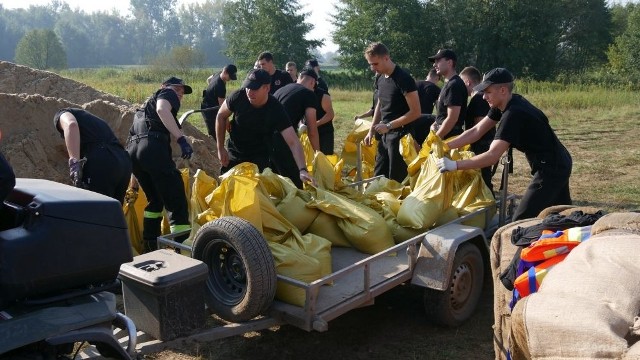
455 305
242 275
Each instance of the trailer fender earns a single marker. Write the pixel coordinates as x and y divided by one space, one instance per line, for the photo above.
437 252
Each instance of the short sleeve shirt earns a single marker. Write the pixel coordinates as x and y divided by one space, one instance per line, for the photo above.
296 99
321 93
151 113
93 130
453 93
216 89
391 93
279 79
428 93
251 127
478 107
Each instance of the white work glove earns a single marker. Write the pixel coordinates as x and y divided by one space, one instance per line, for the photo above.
445 164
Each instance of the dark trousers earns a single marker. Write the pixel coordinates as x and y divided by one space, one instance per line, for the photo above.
421 127
389 161
160 180
107 171
546 189
282 161
327 140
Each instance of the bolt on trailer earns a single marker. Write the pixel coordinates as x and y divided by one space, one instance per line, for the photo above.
448 261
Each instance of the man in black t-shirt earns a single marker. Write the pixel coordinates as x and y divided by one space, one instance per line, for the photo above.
526 128
299 101
315 66
149 147
97 160
256 116
214 95
325 114
451 107
428 93
369 113
397 107
279 78
477 109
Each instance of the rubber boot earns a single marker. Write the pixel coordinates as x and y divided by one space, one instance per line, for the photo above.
150 232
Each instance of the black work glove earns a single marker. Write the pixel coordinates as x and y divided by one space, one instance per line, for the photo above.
75 171
186 149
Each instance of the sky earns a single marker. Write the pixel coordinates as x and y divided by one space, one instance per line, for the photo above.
320 12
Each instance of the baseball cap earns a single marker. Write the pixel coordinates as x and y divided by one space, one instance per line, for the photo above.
256 78
444 53
495 76
312 63
309 72
232 70
177 81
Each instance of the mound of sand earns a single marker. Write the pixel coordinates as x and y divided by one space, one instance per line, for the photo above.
35 149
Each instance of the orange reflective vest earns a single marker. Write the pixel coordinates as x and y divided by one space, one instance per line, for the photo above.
556 243
529 281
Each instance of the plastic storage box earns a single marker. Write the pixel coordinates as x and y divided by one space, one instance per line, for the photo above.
164 293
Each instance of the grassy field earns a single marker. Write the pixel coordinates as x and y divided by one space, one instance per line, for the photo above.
598 126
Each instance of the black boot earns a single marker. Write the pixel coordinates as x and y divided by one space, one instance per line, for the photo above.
150 232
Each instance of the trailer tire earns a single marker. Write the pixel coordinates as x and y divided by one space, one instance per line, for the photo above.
455 305
241 283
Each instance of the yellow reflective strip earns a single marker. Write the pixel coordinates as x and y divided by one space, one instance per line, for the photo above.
152 215
179 228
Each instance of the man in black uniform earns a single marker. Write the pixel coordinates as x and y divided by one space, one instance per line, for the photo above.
279 78
451 108
477 109
299 102
149 147
428 93
526 128
315 66
325 114
256 116
214 95
97 160
397 107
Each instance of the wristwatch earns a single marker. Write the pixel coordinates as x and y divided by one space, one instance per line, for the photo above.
389 126
304 169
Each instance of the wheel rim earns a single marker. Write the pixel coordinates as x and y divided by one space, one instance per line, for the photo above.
461 286
227 275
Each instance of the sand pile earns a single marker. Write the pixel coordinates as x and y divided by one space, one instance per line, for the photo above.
36 150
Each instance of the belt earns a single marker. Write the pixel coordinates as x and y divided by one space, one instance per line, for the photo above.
150 134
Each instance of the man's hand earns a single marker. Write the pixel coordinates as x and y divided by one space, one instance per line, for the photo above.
367 139
445 164
75 171
223 156
306 177
186 149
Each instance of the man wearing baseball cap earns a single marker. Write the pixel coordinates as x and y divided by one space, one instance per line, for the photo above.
451 107
256 116
315 66
524 127
214 95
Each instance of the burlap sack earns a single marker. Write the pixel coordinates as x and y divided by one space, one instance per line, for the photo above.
502 251
627 222
586 305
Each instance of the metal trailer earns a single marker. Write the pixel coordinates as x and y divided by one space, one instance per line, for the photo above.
449 261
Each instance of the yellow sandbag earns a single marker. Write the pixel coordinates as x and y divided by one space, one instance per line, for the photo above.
408 148
315 246
307 149
202 188
363 226
325 226
133 223
475 196
398 232
385 185
296 265
357 134
447 216
323 172
294 208
236 195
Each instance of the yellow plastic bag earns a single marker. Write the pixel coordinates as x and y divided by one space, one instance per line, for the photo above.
357 134
200 214
296 265
326 226
133 222
476 195
307 149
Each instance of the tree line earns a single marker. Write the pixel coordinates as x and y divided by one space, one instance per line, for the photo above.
539 39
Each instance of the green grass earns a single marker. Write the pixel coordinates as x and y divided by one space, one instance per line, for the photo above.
599 126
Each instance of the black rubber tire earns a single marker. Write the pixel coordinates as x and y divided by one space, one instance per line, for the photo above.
454 306
242 274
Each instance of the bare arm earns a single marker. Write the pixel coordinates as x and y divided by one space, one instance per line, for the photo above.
222 121
376 119
449 122
163 108
408 117
289 135
312 128
496 149
327 106
69 126
472 135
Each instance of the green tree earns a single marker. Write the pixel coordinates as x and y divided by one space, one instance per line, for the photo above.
156 27
253 26
624 54
180 58
201 27
41 49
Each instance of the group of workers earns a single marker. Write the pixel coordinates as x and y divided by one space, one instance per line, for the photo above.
272 105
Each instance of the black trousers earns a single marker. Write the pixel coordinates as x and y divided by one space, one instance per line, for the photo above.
389 161
160 180
421 127
327 140
107 171
282 161
547 188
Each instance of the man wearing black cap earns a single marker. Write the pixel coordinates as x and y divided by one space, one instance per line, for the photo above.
214 95
149 148
315 66
451 107
256 116
397 107
97 160
279 78
299 101
526 128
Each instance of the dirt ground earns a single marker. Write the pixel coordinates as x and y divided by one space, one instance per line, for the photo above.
30 98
